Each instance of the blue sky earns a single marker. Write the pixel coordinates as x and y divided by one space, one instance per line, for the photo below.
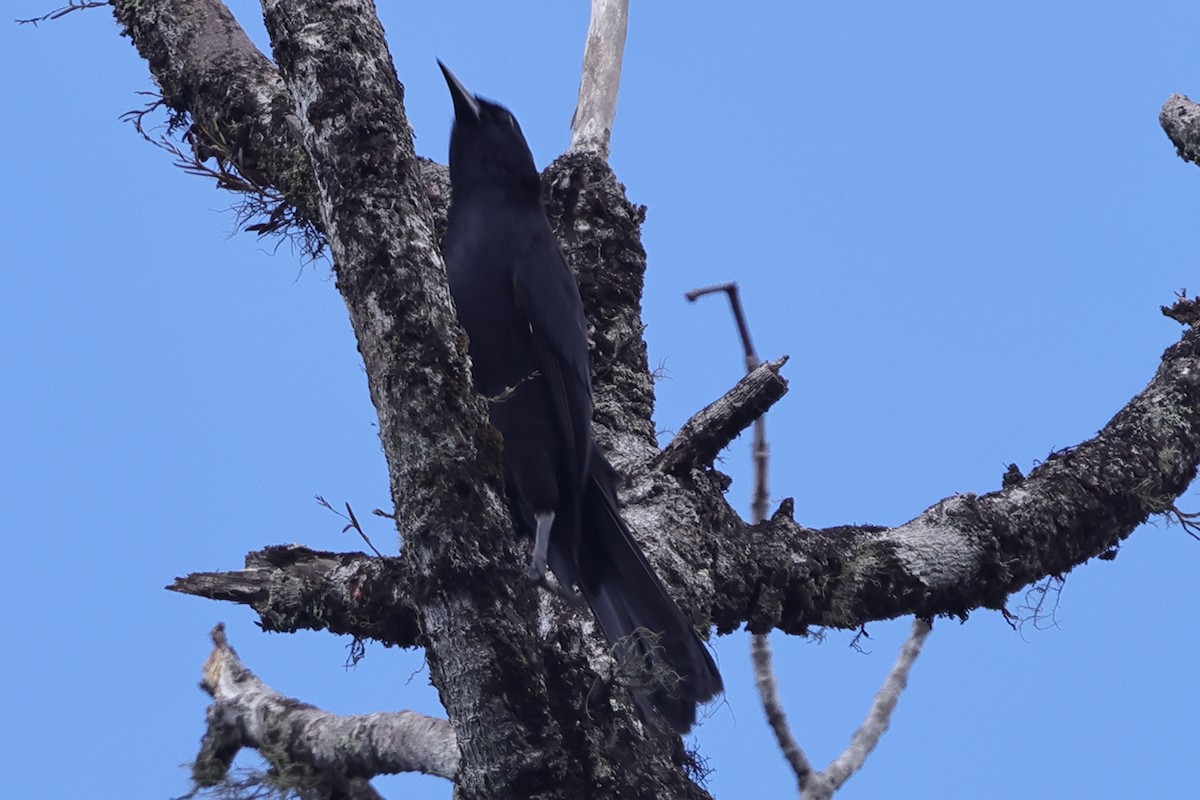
959 220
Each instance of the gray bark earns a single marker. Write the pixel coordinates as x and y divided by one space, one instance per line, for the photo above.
311 751
600 78
208 69
1180 120
710 430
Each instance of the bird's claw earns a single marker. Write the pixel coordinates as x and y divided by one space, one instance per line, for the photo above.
538 574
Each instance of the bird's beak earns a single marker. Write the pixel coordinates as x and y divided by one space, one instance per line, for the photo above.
465 104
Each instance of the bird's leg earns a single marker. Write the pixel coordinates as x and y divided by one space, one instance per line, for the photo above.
541 544
537 562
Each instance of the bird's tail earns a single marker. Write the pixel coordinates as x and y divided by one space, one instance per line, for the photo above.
654 642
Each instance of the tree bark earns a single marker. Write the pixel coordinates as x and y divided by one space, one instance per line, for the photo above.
600 78
208 69
1180 120
309 750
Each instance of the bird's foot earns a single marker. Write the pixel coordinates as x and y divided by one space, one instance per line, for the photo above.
538 575
536 571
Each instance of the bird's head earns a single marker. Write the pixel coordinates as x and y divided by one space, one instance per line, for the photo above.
487 147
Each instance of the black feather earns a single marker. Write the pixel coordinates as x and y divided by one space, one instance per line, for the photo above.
520 306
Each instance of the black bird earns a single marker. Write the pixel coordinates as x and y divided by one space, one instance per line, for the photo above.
520 306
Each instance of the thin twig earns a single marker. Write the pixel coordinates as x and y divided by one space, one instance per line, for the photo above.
59 13
351 522
600 78
259 200
768 694
759 452
760 645
876 723
1186 520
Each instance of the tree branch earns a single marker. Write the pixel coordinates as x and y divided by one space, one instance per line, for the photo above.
759 453
294 588
768 695
965 552
600 78
306 747
876 723
716 425
971 551
208 69
1180 120
62 11
760 646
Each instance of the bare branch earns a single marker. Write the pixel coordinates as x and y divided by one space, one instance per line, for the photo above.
760 644
969 550
1185 311
294 588
600 79
717 424
812 786
59 13
1180 120
1187 520
768 695
211 73
965 552
351 522
878 718
759 452
306 747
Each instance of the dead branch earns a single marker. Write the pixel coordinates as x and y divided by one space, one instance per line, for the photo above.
1185 310
600 78
760 645
294 588
1180 120
965 552
712 428
208 69
768 695
968 550
59 13
308 748
876 722
759 452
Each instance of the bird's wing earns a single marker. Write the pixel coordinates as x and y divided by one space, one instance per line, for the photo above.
549 297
